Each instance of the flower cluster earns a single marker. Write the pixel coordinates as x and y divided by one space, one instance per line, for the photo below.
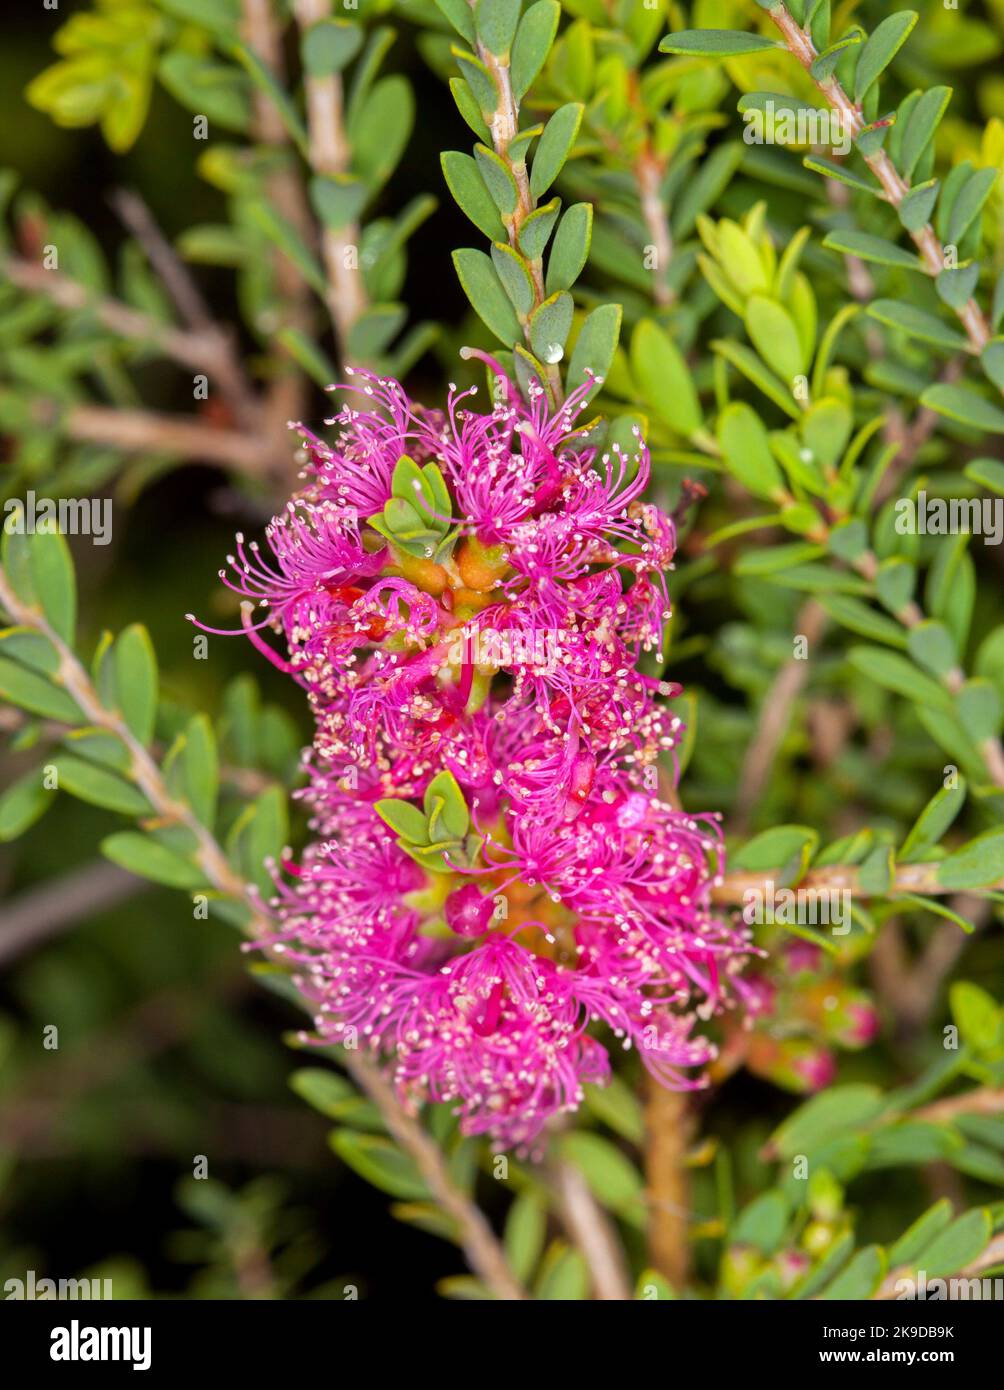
465 598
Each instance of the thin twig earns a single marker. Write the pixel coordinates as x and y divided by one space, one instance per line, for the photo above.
330 157
41 913
669 1127
593 1232
895 187
919 879
648 173
229 373
774 717
483 1251
146 431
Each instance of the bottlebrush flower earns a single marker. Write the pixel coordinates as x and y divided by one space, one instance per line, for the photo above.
465 597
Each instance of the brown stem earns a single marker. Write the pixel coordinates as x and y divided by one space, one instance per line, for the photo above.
775 714
40 913
669 1126
648 172
921 879
504 125
145 431
895 187
484 1253
330 156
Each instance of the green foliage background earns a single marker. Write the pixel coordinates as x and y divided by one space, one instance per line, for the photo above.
765 271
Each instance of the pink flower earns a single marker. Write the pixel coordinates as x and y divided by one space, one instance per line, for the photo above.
494 875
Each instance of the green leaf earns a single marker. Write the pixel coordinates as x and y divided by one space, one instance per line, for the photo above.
786 849
880 49
458 12
917 323
470 193
537 228
829 1115
774 336
987 472
329 46
612 1177
747 362
554 147
265 837
532 44
488 299
932 823
976 865
979 709
969 203
746 451
975 1011
830 169
617 1106
325 1090
22 804
956 1246
920 1234
135 667
923 122
564 1276
550 324
871 248
446 809
146 858
964 406
762 1223
716 43
862 619
495 22
337 199
381 1163
570 249
200 768
33 692
54 581
916 208
515 275
467 106
97 785
860 1278
525 1231
265 81
664 378
931 646
498 179
595 346
404 819
896 673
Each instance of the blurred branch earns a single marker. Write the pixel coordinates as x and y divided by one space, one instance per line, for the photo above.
669 1129
146 431
231 378
330 157
775 715
284 190
41 913
484 1253
592 1232
835 878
